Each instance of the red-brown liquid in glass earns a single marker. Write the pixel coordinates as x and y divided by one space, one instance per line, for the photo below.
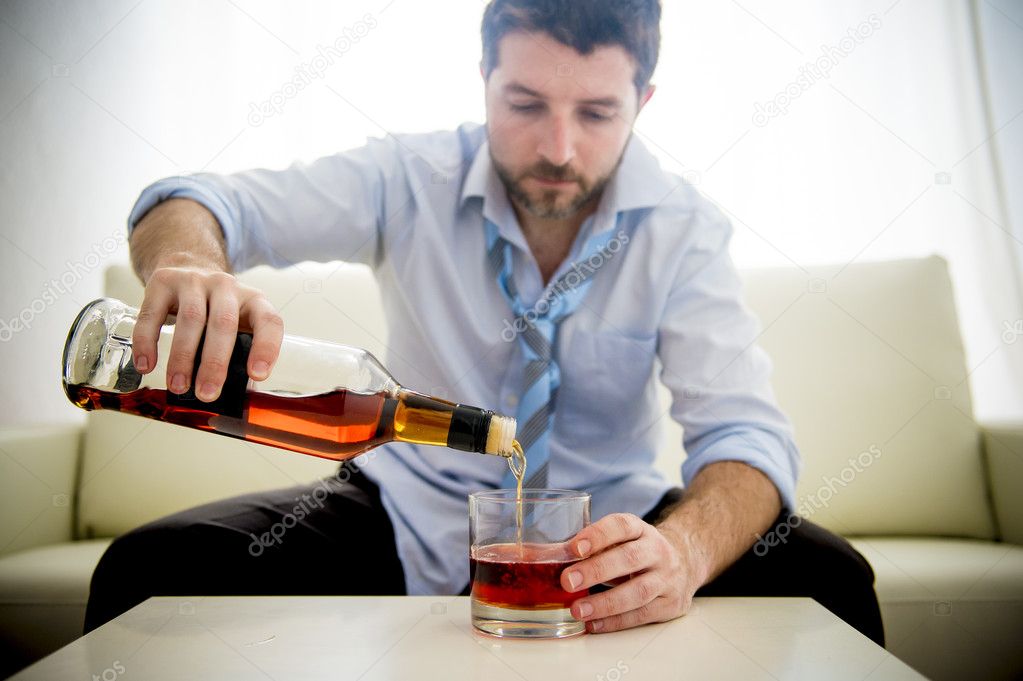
524 576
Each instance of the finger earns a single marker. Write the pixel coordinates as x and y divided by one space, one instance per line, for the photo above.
618 561
188 327
657 610
221 334
267 335
610 530
151 318
630 595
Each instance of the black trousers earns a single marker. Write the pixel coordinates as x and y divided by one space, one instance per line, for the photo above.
335 538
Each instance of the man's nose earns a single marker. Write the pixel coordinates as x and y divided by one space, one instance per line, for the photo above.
557 145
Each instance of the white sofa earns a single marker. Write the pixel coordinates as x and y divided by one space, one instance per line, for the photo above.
868 364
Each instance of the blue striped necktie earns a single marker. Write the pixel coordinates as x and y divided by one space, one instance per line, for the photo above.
536 328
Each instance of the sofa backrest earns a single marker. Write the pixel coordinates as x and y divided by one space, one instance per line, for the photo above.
869 366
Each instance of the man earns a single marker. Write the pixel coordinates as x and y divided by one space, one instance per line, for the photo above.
537 264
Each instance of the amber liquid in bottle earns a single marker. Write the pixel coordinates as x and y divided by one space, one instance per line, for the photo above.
337 425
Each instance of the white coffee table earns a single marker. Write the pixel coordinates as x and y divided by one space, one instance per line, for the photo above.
371 638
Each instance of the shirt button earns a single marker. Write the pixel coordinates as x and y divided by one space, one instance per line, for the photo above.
511 401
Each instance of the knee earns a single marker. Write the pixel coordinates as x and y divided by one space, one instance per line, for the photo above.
848 565
844 583
136 553
163 545
132 568
832 557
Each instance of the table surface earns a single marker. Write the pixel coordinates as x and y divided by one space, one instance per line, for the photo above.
429 637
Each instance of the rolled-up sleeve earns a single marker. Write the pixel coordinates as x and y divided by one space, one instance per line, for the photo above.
718 376
331 209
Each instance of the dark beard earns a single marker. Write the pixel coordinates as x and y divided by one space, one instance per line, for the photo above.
546 206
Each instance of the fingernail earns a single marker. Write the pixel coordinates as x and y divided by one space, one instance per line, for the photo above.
575 579
207 391
260 369
583 547
142 363
178 383
596 625
585 610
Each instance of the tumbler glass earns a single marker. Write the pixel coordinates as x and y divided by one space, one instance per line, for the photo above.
516 580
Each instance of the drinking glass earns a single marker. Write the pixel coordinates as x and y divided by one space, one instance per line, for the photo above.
516 580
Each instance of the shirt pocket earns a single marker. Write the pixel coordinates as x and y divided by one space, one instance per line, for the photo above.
604 377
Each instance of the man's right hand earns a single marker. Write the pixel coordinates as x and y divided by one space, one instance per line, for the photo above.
178 250
214 301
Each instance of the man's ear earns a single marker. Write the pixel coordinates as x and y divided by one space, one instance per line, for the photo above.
646 97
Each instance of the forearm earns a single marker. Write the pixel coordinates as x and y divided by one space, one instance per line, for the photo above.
177 233
723 510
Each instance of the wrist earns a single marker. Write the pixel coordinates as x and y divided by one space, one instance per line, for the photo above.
180 260
186 260
694 558
178 233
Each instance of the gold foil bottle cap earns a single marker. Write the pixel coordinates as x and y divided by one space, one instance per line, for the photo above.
501 435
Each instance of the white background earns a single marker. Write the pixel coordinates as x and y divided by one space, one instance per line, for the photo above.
913 145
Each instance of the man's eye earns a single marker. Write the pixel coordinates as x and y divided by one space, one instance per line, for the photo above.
525 108
594 116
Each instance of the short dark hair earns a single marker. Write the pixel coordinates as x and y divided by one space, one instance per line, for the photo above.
582 25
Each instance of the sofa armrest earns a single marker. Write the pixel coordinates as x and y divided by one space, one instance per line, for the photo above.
38 475
1003 452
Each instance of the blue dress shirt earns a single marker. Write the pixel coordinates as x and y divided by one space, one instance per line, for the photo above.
668 303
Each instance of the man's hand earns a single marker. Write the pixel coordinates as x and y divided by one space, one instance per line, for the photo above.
178 251
657 569
210 301
656 577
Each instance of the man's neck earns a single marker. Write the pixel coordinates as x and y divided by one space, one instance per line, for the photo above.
550 240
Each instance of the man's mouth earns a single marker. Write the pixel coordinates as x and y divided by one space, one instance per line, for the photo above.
548 182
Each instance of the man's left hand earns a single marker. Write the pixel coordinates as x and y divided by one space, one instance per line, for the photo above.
656 573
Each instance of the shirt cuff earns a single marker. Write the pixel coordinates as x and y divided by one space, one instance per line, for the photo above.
774 456
191 188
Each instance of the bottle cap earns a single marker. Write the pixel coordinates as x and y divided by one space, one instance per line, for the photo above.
501 435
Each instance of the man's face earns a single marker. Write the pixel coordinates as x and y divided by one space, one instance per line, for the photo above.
558 121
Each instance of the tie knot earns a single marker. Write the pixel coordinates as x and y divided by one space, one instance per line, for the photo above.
560 299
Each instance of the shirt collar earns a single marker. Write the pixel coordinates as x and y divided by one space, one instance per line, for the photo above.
640 182
482 181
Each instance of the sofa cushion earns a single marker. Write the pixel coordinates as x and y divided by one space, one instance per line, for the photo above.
43 592
869 365
1003 452
952 608
38 466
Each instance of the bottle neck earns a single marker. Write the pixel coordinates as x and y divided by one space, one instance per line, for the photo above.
470 428
430 420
